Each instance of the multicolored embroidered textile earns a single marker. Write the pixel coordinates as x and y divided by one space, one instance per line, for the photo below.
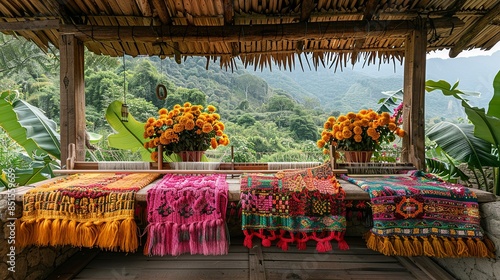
420 214
294 206
186 214
83 210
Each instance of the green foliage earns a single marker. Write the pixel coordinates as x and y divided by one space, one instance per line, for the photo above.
474 143
129 135
28 126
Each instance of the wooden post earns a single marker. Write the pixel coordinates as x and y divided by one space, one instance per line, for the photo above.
414 91
72 94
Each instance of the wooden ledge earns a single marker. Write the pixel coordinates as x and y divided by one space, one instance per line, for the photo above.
353 192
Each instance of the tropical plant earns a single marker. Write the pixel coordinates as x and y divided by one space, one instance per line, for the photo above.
477 143
35 133
185 128
129 134
362 131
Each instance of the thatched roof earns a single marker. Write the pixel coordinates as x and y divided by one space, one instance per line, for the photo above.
260 32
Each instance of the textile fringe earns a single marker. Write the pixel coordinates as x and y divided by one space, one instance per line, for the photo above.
285 238
114 235
433 246
209 237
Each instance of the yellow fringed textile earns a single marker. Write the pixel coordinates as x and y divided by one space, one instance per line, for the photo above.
433 246
83 210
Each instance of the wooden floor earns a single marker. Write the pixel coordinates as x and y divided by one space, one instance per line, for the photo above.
258 263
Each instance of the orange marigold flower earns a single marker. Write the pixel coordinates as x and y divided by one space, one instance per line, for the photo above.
211 108
326 151
346 133
392 126
178 128
162 111
357 130
200 122
213 143
154 156
151 120
400 132
371 131
341 119
331 119
169 122
358 138
326 137
187 104
363 111
327 125
351 115
189 124
320 143
339 135
199 132
219 133
207 128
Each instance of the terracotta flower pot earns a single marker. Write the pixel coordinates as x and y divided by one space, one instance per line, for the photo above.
358 156
191 156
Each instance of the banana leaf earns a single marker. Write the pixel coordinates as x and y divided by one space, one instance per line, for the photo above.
390 102
28 126
459 142
94 138
38 127
486 127
129 135
449 90
494 105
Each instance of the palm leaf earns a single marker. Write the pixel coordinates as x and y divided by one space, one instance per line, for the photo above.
458 141
130 135
444 170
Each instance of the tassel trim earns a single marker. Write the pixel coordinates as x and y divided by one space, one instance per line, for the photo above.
285 238
117 235
432 246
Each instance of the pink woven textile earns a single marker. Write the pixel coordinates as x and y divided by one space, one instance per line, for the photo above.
186 214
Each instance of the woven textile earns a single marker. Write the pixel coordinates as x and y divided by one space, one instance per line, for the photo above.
294 206
83 210
421 215
186 214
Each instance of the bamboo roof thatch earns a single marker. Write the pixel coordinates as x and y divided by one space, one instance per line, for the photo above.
259 32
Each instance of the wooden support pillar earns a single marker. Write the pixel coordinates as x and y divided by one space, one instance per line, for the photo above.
414 91
72 94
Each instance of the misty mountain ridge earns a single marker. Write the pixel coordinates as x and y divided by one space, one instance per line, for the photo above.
359 87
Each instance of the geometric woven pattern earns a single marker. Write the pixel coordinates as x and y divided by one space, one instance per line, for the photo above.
420 214
293 206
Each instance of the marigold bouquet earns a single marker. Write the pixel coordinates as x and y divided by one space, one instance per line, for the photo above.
185 128
362 131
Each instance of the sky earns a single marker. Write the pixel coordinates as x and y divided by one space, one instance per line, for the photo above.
474 52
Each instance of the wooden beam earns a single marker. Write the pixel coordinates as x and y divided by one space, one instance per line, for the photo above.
414 90
31 25
228 12
370 9
306 9
291 32
72 94
475 29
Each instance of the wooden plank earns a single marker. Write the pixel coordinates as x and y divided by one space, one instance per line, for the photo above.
414 99
209 263
300 273
411 267
72 120
38 24
292 31
332 257
256 263
396 266
74 265
124 272
433 270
